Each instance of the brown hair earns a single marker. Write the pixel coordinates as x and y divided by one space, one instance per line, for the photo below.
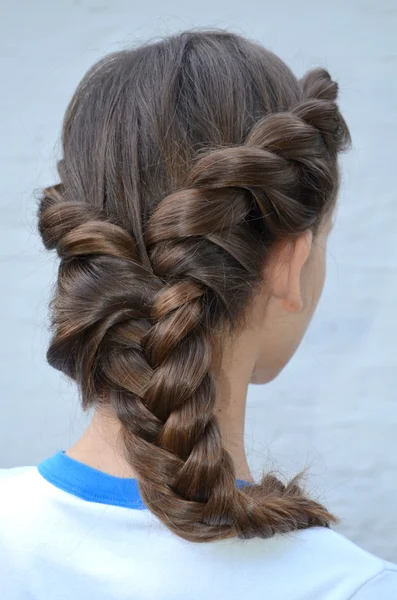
183 162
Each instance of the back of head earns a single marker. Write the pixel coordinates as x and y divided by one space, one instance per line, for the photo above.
184 161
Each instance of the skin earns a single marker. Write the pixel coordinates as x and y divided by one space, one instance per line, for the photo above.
277 321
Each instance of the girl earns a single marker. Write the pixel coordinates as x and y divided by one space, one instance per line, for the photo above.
197 189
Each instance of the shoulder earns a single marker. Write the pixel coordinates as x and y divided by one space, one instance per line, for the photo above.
319 562
13 481
16 488
312 563
21 496
9 474
355 573
382 586
24 494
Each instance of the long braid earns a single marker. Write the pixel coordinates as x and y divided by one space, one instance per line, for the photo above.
134 317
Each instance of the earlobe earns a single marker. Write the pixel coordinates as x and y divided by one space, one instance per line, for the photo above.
292 306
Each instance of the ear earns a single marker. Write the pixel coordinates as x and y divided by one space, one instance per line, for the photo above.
285 272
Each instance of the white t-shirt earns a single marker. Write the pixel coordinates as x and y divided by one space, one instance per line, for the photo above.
70 532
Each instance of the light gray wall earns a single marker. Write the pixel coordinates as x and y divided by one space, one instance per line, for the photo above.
334 408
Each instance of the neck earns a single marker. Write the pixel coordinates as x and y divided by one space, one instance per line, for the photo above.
101 446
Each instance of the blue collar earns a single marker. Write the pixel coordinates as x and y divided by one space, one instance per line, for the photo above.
92 485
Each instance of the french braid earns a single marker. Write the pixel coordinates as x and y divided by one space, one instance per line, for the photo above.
137 333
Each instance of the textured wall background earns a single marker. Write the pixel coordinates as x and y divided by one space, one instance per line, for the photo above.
334 408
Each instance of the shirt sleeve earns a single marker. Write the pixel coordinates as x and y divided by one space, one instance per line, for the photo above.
381 587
